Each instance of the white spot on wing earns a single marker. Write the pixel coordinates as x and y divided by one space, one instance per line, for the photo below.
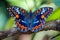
23 21
43 11
36 22
17 10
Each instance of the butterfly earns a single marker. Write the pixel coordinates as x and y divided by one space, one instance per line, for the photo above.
30 21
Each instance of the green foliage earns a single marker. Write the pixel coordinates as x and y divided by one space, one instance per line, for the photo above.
57 38
3 17
27 5
57 2
9 23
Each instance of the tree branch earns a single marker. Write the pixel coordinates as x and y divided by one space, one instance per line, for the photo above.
51 25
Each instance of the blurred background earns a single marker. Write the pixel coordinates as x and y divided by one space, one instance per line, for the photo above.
7 22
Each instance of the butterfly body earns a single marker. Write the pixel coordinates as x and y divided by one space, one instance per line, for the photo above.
32 21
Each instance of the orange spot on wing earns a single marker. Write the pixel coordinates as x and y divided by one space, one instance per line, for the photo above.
19 25
22 10
42 16
23 27
17 16
40 25
37 11
36 27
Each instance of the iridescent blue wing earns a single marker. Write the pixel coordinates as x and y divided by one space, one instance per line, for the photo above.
39 20
20 18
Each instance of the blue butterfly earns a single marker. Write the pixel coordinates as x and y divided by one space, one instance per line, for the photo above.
30 21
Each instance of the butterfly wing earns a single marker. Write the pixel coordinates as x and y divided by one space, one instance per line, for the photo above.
39 20
20 18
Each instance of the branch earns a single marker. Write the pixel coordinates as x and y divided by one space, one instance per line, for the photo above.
51 25
5 34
